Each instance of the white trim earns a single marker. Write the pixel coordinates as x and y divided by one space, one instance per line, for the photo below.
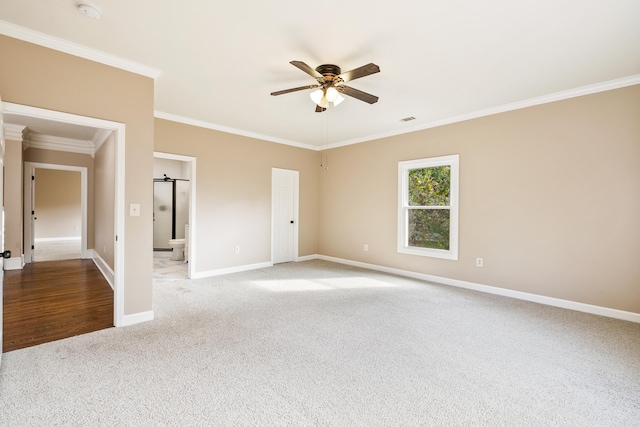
132 319
14 132
29 169
213 126
57 143
525 296
544 99
76 49
119 212
14 263
403 206
191 265
57 239
104 268
119 222
308 258
230 270
99 138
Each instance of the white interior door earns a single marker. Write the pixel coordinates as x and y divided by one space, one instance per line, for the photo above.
284 201
1 220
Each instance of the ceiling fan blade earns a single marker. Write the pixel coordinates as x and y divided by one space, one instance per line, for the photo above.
307 69
295 89
356 73
358 94
319 109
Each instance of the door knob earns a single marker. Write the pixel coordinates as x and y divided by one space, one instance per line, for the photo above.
6 254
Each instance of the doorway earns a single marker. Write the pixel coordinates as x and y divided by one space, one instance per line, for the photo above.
174 215
114 275
55 212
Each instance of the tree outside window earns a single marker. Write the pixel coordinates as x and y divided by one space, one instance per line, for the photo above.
428 211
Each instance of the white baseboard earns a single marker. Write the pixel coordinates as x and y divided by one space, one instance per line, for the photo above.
56 239
238 269
307 258
15 263
132 319
104 268
540 299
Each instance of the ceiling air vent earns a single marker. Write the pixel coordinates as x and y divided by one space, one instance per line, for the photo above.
407 119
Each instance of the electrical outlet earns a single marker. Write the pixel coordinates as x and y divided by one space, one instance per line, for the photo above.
366 247
479 262
237 249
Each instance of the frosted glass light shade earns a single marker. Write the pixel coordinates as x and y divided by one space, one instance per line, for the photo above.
332 94
338 100
316 96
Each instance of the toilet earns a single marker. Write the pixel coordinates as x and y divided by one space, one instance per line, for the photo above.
177 249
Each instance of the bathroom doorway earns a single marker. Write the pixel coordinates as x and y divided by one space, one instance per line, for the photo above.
170 211
173 216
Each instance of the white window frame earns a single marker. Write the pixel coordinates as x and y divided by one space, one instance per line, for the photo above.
403 206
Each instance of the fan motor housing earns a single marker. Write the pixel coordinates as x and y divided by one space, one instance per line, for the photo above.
328 70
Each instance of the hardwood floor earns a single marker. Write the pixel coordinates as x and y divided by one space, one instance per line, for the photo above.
48 301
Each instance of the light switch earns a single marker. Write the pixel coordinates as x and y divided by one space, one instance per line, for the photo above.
134 209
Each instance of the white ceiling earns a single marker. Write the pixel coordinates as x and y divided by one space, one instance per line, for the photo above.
439 60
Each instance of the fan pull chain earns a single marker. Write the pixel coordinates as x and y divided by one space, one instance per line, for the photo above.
324 139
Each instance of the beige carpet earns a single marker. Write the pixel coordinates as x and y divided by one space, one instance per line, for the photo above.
319 344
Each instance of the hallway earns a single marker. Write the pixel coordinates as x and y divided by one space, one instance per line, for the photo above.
48 301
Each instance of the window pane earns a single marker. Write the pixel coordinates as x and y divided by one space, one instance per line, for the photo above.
429 186
429 228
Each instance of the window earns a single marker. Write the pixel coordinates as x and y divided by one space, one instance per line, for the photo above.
428 207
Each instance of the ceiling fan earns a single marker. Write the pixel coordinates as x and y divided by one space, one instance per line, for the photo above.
331 85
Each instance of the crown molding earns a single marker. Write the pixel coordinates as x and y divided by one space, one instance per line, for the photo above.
207 125
56 143
14 132
76 49
545 99
99 138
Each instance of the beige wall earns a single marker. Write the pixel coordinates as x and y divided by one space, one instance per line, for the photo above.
38 155
44 78
13 197
549 197
58 204
548 193
234 192
104 206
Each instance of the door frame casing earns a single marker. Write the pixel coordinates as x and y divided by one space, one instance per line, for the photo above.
296 210
29 170
119 212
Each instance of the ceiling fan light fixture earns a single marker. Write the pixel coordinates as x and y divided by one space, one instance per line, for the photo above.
332 94
329 84
317 95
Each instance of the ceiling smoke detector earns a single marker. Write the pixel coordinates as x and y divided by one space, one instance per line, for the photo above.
89 10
